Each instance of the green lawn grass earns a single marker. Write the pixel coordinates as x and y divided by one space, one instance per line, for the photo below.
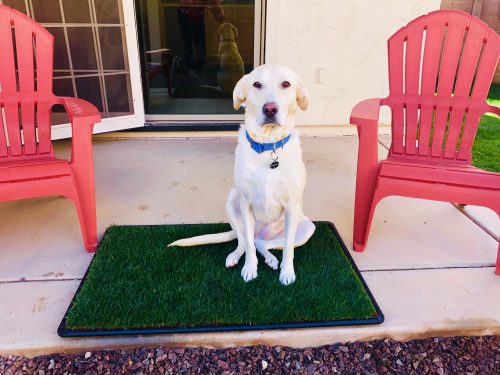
135 281
486 148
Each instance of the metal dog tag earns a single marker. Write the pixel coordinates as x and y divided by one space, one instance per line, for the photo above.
275 163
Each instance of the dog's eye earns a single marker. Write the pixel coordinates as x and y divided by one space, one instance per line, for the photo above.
285 84
257 85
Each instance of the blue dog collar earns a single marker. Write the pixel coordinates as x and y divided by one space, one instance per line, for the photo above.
263 147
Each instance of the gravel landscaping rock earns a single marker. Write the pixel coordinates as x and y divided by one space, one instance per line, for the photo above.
455 355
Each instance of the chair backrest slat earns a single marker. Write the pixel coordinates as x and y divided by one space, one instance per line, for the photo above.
434 35
44 43
26 96
412 81
470 56
3 140
396 64
24 41
436 56
9 86
453 41
485 71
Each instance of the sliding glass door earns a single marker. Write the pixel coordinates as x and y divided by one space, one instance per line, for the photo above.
192 54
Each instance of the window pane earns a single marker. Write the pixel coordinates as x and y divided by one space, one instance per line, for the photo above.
88 88
111 48
46 11
60 52
76 11
81 43
107 11
118 93
16 4
63 87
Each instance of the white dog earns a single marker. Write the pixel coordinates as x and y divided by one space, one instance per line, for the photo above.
265 206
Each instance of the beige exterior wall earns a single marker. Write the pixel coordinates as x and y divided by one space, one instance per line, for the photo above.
339 48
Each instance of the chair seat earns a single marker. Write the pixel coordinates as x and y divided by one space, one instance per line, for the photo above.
23 170
455 175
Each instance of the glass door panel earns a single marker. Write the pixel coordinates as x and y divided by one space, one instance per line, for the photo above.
193 52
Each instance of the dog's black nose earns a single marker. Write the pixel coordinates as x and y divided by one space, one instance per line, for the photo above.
270 109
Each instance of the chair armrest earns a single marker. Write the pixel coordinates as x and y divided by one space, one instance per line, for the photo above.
80 109
83 115
161 50
365 116
494 109
366 112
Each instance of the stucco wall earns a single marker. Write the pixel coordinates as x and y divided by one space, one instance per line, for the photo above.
339 49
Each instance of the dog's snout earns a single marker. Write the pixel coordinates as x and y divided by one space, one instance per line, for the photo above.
270 109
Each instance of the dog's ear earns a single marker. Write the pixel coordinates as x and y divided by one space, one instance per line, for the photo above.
302 95
240 92
235 31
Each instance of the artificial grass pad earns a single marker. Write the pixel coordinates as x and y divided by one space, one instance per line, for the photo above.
136 282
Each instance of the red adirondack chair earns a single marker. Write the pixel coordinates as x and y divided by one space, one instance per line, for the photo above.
440 69
28 166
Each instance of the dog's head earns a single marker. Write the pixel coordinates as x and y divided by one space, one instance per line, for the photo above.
228 32
271 94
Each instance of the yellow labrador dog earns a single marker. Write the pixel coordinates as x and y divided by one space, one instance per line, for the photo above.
231 63
265 206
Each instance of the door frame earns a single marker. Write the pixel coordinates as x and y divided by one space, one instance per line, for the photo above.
137 119
259 58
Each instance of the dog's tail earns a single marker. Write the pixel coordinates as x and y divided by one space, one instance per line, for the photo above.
206 239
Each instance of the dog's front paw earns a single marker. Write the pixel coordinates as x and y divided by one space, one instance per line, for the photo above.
287 274
249 270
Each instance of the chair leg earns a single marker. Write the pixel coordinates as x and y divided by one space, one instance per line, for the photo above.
86 208
365 204
366 181
497 265
497 269
84 200
82 167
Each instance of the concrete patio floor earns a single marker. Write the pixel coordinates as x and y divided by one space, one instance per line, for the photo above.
431 271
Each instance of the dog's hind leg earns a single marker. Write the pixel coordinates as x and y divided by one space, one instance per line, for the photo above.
234 216
263 247
264 233
305 229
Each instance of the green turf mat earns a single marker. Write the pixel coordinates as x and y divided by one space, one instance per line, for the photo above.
136 285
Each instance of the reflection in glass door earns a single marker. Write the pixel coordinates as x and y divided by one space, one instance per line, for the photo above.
193 52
